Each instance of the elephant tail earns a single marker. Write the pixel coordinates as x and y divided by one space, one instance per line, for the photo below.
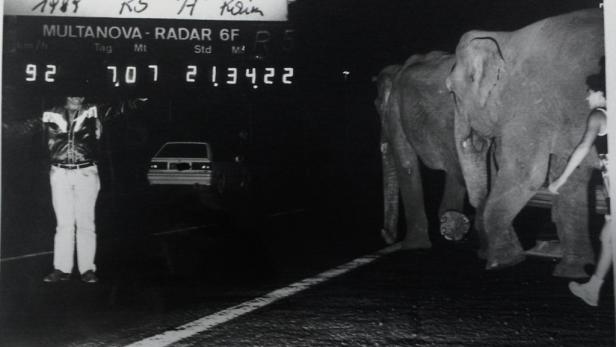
391 198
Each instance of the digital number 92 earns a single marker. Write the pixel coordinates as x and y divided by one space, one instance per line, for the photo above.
32 73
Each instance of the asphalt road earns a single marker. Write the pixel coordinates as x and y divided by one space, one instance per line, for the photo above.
426 299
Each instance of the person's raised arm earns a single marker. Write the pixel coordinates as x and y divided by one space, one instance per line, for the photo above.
596 120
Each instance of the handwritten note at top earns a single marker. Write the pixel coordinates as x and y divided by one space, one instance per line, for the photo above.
233 10
51 6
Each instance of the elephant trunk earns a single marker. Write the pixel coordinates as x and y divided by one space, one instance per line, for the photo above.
472 151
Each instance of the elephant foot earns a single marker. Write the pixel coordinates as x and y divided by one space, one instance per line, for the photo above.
390 237
482 252
454 225
503 257
571 268
409 244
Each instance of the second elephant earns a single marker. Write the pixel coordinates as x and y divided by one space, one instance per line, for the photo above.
417 120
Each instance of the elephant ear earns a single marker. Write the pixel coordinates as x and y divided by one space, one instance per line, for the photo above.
487 66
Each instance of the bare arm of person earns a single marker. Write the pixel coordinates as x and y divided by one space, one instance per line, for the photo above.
596 121
99 128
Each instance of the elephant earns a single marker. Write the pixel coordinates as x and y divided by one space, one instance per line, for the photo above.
417 123
520 100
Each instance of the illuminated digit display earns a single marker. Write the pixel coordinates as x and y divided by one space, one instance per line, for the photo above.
252 75
214 76
118 76
30 72
50 73
154 72
130 76
232 75
114 75
269 74
141 54
288 75
191 73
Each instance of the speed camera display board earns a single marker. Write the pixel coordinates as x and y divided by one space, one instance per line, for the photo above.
145 46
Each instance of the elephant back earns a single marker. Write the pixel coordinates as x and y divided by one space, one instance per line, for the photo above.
426 108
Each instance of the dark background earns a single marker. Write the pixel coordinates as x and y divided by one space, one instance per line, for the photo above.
365 35
315 202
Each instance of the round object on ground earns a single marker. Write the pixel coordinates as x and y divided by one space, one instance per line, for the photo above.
454 225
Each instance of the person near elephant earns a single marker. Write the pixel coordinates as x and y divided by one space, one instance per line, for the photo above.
519 114
595 134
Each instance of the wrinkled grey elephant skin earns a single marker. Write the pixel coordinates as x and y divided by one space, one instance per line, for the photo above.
523 92
417 122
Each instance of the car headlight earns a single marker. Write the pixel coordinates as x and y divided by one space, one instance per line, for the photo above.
158 165
201 166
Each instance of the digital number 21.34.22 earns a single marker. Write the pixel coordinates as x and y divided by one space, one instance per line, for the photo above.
215 75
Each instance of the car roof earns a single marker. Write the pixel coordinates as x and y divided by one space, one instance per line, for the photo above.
156 155
185 143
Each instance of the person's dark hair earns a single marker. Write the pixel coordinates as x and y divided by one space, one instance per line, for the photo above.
596 82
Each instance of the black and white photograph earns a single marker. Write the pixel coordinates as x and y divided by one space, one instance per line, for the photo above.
307 173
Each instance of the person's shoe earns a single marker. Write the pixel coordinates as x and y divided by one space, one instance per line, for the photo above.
57 276
589 291
89 277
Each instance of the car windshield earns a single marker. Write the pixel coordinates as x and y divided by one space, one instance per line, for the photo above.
183 150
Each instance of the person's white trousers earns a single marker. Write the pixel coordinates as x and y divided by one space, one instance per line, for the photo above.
74 194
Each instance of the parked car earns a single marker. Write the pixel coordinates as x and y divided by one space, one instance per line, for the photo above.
195 164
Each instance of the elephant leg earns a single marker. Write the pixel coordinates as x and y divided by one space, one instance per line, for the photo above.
482 252
473 153
454 224
521 174
479 224
414 210
482 236
391 191
453 195
570 214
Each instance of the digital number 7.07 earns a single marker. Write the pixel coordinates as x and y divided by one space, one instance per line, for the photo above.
130 74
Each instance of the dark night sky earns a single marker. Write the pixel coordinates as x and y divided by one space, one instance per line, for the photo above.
365 35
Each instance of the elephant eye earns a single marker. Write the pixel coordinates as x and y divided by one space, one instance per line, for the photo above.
472 78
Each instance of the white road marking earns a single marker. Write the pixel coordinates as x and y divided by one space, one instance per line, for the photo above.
176 231
25 256
208 322
285 213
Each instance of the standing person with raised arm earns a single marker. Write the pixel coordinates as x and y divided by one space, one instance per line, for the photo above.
72 133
